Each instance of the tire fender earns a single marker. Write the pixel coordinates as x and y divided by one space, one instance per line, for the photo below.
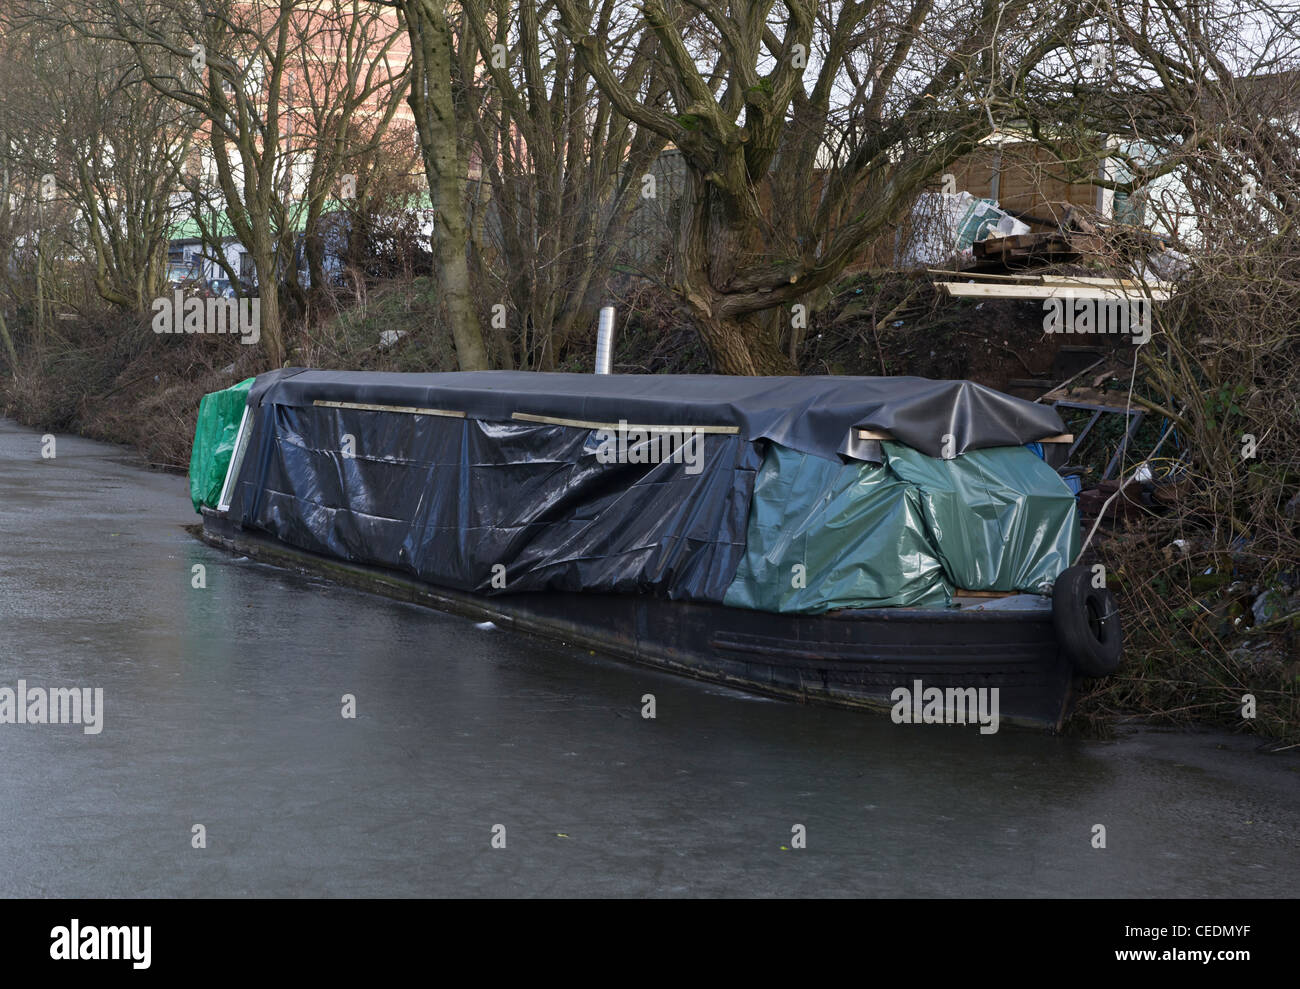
1087 624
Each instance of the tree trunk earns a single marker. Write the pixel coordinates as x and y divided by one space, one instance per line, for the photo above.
435 120
452 271
268 282
742 345
718 237
314 246
9 343
501 355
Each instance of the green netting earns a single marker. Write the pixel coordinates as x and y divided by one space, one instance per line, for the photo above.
214 442
825 535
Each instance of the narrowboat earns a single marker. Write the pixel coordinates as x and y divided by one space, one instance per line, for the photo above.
853 541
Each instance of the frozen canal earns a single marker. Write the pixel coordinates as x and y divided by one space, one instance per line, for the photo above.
222 726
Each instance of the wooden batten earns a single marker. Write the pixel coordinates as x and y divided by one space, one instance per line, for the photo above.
882 434
409 409
1054 291
628 426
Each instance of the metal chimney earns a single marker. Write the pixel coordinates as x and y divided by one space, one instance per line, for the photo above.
605 341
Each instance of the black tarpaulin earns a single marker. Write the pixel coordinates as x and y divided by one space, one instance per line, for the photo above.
814 414
436 475
496 507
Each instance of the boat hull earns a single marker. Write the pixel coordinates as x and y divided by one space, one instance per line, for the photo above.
850 658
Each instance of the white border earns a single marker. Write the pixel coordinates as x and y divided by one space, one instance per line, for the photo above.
236 461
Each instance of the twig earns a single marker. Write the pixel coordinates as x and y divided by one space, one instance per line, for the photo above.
1066 382
880 325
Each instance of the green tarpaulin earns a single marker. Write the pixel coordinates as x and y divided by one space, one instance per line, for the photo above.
214 442
828 535
1000 519
825 535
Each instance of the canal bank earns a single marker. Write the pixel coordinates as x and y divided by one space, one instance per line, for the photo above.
223 708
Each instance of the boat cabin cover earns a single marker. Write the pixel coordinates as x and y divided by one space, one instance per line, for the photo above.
783 494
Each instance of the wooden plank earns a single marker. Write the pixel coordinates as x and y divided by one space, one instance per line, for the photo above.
1019 279
999 291
1037 245
615 426
1085 243
882 434
409 409
1041 384
1026 279
1109 282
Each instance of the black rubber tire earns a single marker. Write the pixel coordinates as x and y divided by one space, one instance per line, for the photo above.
1087 624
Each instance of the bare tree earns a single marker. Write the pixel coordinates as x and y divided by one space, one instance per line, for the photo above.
350 76
231 64
111 146
807 128
565 170
433 55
